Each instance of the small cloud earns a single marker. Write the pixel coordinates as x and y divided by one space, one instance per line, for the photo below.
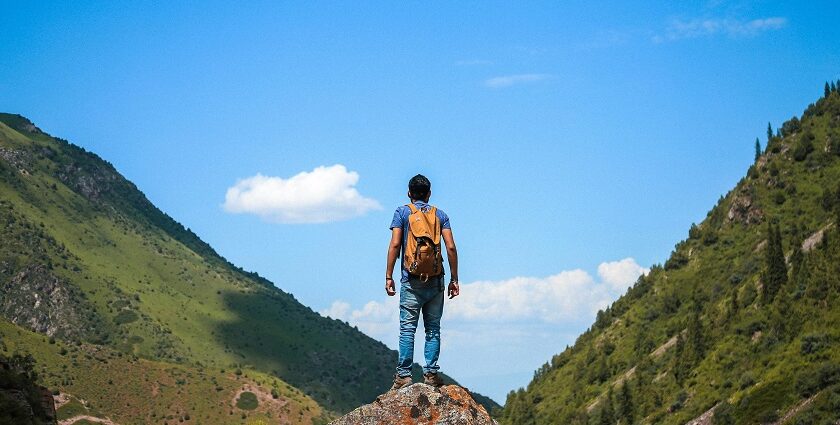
338 310
510 80
621 274
473 62
682 29
322 195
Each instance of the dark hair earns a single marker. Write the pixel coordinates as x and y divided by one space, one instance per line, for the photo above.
419 187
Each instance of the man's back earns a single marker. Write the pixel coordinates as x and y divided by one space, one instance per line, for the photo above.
420 293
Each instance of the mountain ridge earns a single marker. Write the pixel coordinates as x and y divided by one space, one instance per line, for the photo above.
737 326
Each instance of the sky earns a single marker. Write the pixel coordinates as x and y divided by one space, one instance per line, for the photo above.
571 143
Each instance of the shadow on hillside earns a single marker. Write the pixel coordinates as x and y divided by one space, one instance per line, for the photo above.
335 364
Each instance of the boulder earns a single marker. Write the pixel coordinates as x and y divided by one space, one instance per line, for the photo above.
420 404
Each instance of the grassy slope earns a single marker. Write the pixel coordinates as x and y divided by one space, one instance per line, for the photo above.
157 290
757 359
103 382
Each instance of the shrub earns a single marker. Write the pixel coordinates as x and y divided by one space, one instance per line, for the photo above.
724 415
247 401
747 380
813 343
125 316
809 383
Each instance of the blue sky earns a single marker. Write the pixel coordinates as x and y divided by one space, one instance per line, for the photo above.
570 135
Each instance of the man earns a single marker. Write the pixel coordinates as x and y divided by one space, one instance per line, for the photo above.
420 292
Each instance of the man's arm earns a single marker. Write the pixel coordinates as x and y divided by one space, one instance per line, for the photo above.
393 253
452 256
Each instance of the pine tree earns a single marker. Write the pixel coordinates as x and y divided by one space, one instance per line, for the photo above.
757 149
607 413
775 274
696 338
828 89
796 260
769 132
833 87
733 304
625 405
680 365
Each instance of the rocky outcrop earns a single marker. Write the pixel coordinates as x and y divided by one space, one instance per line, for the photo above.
744 210
21 400
420 404
18 159
37 299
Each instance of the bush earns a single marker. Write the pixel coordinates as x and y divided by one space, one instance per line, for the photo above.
125 316
247 401
747 380
724 415
813 343
809 383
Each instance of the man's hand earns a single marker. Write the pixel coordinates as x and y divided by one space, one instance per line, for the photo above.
453 290
390 287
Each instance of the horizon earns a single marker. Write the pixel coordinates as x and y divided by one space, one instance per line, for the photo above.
268 158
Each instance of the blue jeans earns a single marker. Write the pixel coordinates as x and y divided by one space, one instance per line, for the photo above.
417 296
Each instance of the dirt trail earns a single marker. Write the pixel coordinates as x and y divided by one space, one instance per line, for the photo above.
796 409
74 419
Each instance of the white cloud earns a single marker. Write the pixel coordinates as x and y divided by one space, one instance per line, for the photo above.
681 29
564 296
522 321
621 274
510 80
569 296
322 195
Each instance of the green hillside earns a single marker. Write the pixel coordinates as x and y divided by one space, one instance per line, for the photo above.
741 323
87 259
104 383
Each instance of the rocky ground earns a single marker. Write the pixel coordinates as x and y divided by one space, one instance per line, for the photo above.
420 404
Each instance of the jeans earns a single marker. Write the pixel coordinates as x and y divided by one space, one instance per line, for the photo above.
417 296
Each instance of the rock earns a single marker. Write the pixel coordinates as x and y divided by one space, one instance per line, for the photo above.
420 404
814 240
43 302
743 209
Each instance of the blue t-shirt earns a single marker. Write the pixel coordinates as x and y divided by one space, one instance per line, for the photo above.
401 220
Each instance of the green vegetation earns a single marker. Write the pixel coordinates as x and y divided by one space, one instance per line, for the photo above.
740 321
126 278
247 401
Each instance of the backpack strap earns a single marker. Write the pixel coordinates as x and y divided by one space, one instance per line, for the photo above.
411 207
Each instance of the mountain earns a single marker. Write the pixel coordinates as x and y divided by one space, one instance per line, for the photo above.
740 325
117 287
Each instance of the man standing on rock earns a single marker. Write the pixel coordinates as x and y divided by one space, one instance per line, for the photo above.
416 231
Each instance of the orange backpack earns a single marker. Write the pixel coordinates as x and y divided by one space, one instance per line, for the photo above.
422 244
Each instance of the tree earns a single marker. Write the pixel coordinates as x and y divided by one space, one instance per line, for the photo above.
828 89
833 87
625 404
775 273
757 149
696 338
607 413
769 132
681 366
